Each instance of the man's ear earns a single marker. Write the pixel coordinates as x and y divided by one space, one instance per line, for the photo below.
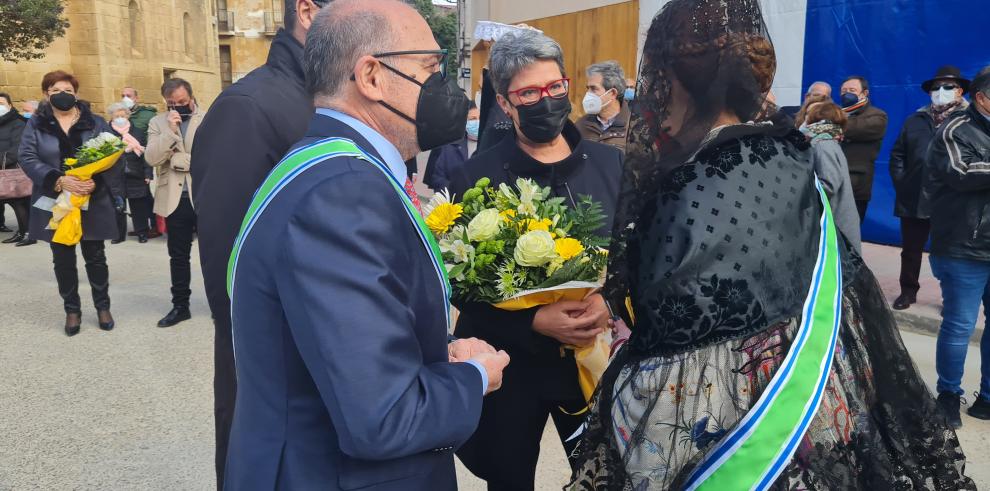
369 78
306 10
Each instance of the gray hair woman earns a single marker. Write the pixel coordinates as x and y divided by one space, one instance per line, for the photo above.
527 71
136 175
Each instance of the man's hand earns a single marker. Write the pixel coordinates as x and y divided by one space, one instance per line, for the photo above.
76 186
494 363
463 350
573 323
174 120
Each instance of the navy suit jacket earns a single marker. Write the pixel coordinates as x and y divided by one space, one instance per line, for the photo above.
340 340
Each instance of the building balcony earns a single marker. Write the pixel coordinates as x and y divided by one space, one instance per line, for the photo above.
273 22
225 22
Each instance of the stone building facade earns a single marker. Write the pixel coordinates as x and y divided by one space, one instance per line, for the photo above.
114 43
245 29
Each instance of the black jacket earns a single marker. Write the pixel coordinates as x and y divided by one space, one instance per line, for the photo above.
43 149
11 128
907 160
957 185
443 164
593 169
135 169
245 133
861 143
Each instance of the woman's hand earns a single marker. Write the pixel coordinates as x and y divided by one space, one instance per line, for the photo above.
77 186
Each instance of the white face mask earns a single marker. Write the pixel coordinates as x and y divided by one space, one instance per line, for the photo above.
4 110
128 102
593 103
120 122
942 97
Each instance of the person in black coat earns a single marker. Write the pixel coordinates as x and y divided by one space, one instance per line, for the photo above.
136 175
11 127
244 135
542 379
445 160
907 162
55 133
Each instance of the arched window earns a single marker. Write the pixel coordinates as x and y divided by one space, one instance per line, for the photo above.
187 35
136 22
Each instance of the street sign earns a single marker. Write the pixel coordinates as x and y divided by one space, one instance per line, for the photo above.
465 73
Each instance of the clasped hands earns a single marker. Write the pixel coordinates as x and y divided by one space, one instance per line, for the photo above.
76 186
493 361
573 323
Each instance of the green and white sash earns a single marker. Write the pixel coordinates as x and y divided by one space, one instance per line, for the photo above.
322 151
761 445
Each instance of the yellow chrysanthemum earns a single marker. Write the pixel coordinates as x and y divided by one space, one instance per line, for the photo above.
443 216
543 225
568 248
507 215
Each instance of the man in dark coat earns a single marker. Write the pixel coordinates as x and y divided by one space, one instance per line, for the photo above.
907 161
246 132
863 138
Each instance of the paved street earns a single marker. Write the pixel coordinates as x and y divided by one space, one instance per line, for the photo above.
132 409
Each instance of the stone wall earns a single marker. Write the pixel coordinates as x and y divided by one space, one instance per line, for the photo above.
253 25
113 43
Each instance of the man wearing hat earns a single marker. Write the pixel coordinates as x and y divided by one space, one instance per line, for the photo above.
957 183
907 159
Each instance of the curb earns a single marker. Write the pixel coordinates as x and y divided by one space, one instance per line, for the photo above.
927 325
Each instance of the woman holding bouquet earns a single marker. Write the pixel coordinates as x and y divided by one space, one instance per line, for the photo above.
57 130
527 72
763 354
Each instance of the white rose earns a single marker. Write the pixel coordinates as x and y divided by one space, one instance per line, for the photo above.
485 225
535 249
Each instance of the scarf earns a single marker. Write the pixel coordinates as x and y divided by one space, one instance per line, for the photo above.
823 130
941 113
132 144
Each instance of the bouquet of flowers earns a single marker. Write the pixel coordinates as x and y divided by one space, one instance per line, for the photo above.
96 155
517 250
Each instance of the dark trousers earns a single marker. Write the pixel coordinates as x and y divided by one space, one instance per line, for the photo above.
861 208
181 224
914 235
141 214
22 212
506 446
67 276
224 387
121 216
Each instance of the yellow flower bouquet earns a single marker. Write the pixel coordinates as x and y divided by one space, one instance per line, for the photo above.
97 154
521 248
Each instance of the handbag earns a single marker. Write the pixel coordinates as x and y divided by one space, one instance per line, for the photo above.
14 183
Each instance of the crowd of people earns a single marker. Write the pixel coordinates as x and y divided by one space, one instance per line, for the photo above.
736 256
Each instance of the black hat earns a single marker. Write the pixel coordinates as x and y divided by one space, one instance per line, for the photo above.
948 72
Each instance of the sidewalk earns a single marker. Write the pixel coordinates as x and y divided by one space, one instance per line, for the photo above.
925 316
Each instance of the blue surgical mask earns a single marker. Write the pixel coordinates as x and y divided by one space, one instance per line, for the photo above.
26 115
472 128
629 94
119 122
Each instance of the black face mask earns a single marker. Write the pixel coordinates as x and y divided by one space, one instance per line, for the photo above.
184 111
543 121
63 101
440 113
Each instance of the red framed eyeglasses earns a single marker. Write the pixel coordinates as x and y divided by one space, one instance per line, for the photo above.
528 96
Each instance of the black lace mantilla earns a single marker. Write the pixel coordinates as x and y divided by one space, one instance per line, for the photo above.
737 264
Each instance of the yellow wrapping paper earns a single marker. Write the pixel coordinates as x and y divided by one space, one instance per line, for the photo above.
591 360
66 218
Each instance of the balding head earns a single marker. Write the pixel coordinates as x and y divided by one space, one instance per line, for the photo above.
343 73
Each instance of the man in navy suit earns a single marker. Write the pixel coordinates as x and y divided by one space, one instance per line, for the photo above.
340 304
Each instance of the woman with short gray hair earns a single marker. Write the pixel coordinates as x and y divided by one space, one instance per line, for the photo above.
527 73
136 176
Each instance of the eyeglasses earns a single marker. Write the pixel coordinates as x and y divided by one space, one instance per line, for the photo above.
528 96
441 55
945 87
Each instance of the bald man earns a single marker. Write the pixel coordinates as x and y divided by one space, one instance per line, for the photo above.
346 378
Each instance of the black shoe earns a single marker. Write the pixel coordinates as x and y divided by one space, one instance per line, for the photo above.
132 233
72 322
142 238
175 316
904 301
119 240
4 228
105 320
26 242
948 405
17 237
980 409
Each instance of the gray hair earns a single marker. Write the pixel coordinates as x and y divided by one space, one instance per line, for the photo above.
336 41
826 84
517 50
612 76
116 106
